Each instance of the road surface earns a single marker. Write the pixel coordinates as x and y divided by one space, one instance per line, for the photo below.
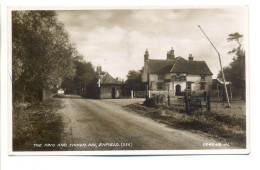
105 125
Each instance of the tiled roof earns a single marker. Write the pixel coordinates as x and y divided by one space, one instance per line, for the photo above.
108 79
179 65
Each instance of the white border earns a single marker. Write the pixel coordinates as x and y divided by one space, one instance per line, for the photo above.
213 162
115 152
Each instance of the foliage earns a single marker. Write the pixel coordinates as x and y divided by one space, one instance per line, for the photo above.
235 72
134 80
42 53
83 75
155 101
229 127
39 124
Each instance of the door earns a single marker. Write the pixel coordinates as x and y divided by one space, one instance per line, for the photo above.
113 92
178 90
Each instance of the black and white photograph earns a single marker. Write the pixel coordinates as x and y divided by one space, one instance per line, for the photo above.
128 81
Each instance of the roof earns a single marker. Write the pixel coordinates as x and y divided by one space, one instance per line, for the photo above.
178 65
108 79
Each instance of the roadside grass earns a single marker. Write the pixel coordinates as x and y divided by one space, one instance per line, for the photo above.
38 124
228 128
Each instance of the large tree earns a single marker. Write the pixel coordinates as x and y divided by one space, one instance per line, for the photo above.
134 80
235 72
42 53
84 73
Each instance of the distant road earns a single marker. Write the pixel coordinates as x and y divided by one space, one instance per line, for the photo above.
105 125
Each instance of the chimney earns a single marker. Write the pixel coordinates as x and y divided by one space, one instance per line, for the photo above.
190 57
99 69
146 55
170 54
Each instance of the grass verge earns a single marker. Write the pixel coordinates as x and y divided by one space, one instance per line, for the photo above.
39 124
229 128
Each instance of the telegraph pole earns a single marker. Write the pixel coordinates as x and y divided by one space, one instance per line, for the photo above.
223 76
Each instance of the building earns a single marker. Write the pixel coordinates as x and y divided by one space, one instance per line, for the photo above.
104 86
109 88
176 74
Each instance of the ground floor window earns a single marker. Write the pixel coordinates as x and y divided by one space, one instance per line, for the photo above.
159 86
188 85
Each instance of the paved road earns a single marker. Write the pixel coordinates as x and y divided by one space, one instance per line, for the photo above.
105 125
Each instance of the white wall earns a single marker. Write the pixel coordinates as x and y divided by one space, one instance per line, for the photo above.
193 78
144 76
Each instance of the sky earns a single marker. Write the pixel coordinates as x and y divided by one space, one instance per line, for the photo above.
117 39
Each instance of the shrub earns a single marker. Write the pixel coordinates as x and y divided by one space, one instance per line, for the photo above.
150 102
155 101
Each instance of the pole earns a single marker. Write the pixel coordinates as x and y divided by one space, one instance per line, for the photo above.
218 94
223 76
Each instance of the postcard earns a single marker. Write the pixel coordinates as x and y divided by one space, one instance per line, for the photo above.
128 81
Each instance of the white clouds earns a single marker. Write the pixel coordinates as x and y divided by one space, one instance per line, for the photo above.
117 39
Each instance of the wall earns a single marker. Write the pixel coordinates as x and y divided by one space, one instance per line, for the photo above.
196 79
195 87
144 76
106 92
181 83
153 78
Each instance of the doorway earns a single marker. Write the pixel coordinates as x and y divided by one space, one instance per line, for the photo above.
113 92
178 90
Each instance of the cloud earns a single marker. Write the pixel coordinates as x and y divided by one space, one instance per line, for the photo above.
117 39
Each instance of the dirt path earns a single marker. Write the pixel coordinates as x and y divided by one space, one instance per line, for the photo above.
105 125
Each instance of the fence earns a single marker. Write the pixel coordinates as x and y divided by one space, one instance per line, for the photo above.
149 93
139 94
190 100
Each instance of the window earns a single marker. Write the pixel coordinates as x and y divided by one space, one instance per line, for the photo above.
160 76
159 86
202 86
202 77
188 85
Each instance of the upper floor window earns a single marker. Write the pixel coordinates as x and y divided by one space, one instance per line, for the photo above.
202 77
160 76
202 86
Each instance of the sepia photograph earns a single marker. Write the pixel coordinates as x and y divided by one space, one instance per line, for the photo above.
129 81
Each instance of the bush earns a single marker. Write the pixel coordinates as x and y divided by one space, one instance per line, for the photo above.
155 101
150 102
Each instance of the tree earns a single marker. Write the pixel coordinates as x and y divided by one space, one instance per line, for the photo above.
84 73
134 80
235 72
42 53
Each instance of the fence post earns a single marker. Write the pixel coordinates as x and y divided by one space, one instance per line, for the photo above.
230 93
132 94
218 94
169 103
208 102
186 103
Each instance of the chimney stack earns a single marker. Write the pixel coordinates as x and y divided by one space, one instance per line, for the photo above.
190 57
99 70
170 54
146 55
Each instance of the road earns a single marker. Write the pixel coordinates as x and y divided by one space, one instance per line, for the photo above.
106 125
